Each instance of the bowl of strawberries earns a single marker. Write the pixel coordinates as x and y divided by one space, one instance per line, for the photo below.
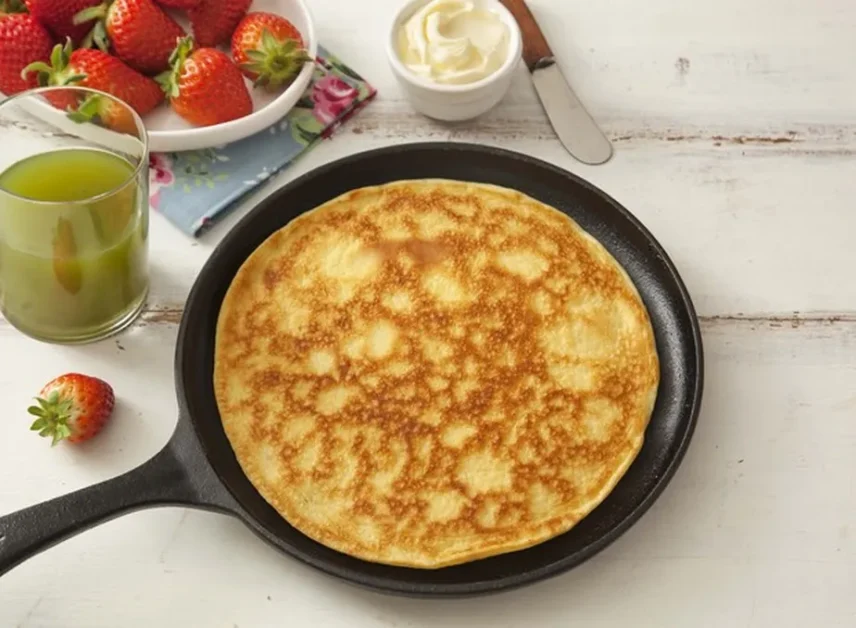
200 73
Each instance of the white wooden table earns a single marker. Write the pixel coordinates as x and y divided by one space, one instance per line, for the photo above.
735 129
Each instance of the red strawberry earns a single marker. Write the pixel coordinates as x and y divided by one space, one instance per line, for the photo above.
22 40
108 112
98 70
214 21
140 33
58 17
268 49
73 407
204 87
178 4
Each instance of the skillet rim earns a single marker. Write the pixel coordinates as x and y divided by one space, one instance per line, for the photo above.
684 432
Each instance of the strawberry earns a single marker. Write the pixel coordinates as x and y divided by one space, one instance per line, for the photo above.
268 49
178 4
107 112
98 70
58 17
204 87
73 407
138 31
214 21
22 40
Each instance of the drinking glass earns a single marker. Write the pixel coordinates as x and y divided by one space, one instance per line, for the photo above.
74 217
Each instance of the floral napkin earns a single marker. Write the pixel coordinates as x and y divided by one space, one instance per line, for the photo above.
193 188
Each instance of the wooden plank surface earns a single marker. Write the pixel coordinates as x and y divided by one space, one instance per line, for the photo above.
756 529
735 132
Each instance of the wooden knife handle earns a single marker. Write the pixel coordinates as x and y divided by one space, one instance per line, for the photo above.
535 46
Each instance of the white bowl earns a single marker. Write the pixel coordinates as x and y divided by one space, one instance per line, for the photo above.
169 132
455 102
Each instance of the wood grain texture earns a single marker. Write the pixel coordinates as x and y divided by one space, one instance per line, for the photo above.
761 511
733 217
535 47
524 121
735 132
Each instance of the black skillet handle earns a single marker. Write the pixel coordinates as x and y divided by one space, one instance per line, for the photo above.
178 475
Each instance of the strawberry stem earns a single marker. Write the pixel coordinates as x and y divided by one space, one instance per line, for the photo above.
37 66
52 415
7 7
57 73
168 79
98 34
98 12
88 109
276 61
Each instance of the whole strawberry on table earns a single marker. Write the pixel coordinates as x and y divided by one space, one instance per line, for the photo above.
72 407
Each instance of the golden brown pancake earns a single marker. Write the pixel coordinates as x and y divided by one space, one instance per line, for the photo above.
431 372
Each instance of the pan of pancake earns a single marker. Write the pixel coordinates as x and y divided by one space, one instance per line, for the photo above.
434 369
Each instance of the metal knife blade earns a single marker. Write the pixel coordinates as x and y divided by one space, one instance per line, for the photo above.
575 127
577 130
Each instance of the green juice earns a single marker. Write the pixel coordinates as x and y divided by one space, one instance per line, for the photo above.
73 244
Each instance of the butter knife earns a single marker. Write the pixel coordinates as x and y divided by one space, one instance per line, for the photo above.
576 129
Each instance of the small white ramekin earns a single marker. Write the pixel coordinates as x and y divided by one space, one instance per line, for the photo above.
455 102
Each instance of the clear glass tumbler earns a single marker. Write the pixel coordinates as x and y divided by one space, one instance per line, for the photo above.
74 217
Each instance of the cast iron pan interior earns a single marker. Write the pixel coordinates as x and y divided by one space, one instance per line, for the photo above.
675 324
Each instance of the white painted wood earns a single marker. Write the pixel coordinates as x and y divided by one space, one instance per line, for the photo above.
755 227
735 129
752 228
757 529
748 60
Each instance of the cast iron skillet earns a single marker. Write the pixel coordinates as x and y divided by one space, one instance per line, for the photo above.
198 469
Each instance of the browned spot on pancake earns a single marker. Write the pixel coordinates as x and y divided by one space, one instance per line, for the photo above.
420 251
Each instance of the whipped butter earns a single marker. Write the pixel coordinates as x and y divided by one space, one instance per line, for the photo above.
453 42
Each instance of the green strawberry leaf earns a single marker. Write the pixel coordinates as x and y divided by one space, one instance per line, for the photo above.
98 12
46 404
256 55
12 6
269 42
62 431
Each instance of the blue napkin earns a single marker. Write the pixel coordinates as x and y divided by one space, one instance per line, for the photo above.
194 188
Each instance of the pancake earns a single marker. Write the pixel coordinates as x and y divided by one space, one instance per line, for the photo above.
431 372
